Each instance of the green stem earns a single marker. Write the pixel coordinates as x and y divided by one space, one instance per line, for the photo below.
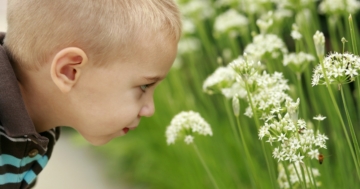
352 131
298 175
248 156
236 132
311 173
355 51
302 97
229 113
340 116
303 175
267 159
206 167
287 174
352 34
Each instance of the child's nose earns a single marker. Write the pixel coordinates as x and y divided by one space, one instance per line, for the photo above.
148 109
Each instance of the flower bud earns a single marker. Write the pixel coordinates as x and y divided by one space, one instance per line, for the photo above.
319 41
236 105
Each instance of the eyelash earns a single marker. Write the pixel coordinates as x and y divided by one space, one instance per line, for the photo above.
144 87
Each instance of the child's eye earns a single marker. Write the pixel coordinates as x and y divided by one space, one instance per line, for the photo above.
144 87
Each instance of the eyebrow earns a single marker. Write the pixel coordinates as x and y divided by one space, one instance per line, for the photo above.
155 78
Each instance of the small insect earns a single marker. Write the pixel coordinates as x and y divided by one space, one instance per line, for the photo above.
321 158
300 131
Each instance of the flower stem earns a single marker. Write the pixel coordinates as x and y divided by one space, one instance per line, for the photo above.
237 138
206 167
303 174
302 96
267 158
287 174
298 175
352 131
355 51
249 159
340 116
310 175
352 34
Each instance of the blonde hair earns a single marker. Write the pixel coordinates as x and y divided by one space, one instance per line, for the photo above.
102 28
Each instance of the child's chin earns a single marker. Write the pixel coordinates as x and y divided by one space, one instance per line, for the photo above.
98 141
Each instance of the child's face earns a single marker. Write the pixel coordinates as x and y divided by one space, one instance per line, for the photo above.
113 98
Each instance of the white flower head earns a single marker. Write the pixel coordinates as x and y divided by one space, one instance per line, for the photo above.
297 62
265 44
339 7
319 117
229 20
223 77
185 124
340 68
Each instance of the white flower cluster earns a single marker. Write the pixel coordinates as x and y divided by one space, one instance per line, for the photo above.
291 136
268 93
223 77
298 61
229 20
294 179
339 6
246 68
264 44
185 124
340 68
202 9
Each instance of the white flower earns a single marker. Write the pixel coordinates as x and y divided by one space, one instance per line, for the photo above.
189 139
185 123
230 19
313 154
298 61
296 35
319 117
298 158
339 6
266 23
265 44
282 137
222 78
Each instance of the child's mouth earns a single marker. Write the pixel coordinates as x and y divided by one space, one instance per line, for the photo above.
126 130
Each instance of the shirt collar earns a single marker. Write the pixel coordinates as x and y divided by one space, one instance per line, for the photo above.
13 114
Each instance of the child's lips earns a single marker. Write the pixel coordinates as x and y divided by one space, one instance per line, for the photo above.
126 129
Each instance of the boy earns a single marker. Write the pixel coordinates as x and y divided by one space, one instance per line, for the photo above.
91 65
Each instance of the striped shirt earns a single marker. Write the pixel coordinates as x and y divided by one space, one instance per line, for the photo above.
23 151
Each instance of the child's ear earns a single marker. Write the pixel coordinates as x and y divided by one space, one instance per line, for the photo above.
66 67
